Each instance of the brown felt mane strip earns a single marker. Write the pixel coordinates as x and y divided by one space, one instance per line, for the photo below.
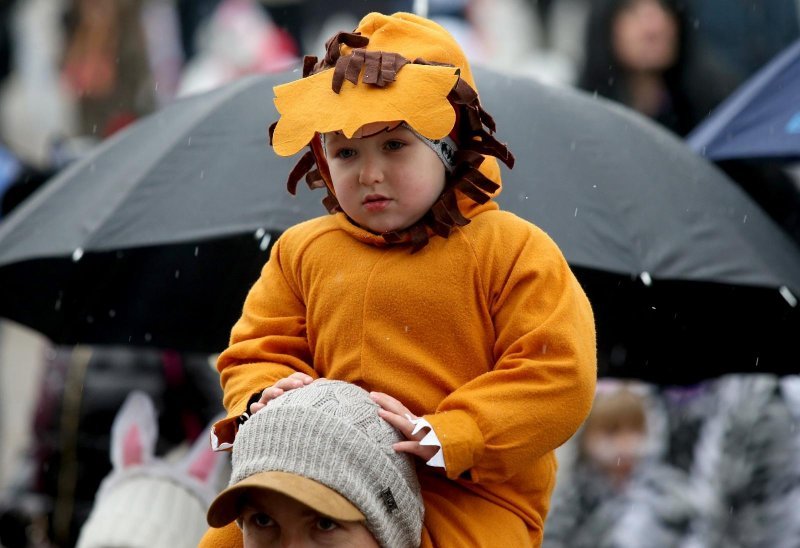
475 138
300 170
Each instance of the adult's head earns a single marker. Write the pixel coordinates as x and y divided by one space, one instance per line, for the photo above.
628 36
321 460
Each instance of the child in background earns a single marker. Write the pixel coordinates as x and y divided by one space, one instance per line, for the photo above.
292 461
464 322
614 437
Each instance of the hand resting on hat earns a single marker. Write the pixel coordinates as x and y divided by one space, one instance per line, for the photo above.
295 380
397 414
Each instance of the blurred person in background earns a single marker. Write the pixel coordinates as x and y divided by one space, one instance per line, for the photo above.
238 39
617 490
531 38
106 64
637 54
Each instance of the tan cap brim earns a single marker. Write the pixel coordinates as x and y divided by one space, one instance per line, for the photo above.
323 499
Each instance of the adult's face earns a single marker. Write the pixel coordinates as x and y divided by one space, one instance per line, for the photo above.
645 37
272 520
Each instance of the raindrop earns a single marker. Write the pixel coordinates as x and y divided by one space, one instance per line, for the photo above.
619 460
147 337
197 251
94 129
576 212
653 307
156 87
544 348
788 295
189 141
112 313
202 174
77 254
744 220
646 279
594 186
757 358
177 274
407 329
260 233
264 244
58 304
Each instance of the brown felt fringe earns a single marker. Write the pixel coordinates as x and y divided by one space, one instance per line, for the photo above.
475 139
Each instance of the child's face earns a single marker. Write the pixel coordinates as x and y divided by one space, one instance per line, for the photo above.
270 519
387 181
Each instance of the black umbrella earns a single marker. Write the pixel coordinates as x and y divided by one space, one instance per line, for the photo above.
156 238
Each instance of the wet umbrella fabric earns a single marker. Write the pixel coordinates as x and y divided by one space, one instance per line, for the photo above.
682 268
687 276
761 119
155 237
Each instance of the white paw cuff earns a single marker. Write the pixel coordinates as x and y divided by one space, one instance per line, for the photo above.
430 439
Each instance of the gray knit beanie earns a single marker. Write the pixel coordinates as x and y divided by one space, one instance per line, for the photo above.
330 432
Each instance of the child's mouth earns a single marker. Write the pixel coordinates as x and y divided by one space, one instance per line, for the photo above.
375 202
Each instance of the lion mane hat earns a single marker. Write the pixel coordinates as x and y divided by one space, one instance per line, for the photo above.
394 68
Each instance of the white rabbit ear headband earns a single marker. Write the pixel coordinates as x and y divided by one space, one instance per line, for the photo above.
445 148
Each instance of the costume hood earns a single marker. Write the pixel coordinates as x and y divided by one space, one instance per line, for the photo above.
398 67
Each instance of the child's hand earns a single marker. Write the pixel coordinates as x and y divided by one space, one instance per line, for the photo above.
395 413
295 380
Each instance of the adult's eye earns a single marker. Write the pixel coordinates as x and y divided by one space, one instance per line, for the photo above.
260 519
326 524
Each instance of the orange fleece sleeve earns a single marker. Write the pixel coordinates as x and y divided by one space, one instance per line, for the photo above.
269 341
542 384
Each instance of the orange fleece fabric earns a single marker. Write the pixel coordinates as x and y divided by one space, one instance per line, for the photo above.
487 334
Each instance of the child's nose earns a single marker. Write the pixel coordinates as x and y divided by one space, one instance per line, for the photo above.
371 171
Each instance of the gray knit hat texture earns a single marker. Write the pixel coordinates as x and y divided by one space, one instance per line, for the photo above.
330 432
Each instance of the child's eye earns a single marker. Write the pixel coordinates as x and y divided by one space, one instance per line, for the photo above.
345 153
326 524
394 145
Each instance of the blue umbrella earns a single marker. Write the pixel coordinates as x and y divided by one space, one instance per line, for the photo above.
761 119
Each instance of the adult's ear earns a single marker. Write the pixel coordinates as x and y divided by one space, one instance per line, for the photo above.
134 432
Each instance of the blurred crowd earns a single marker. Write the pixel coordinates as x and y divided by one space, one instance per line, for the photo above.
74 72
